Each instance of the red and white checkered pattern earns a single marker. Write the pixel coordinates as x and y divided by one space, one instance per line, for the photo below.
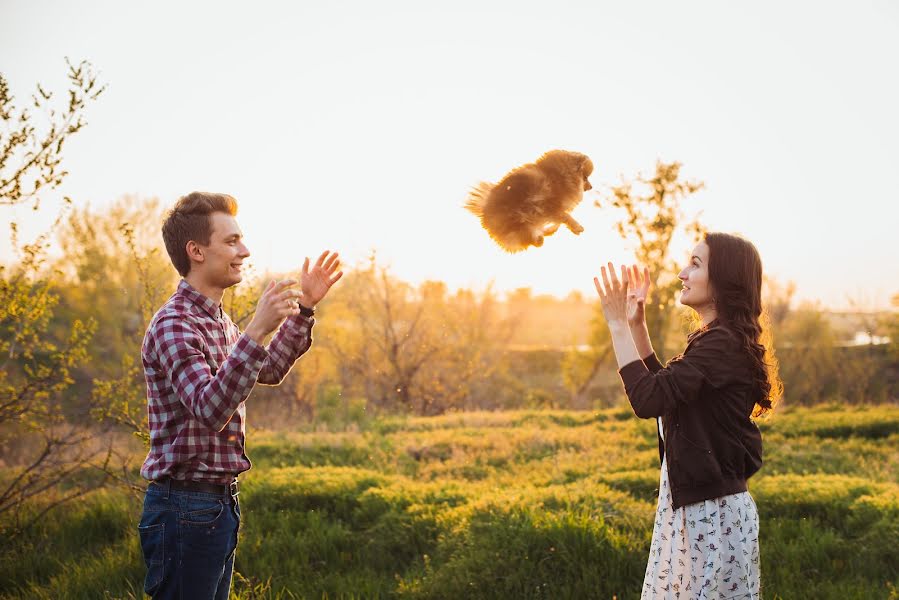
199 370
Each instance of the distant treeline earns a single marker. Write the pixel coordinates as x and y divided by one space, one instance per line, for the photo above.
383 345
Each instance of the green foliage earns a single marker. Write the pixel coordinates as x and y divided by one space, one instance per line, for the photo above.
36 436
525 504
40 439
31 152
652 216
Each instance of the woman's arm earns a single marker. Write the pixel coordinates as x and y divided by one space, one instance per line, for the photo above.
640 335
637 292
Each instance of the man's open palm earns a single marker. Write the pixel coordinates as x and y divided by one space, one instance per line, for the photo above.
316 282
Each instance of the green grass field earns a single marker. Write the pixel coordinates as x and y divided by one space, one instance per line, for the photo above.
529 504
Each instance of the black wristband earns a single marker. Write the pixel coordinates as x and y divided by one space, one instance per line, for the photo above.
305 311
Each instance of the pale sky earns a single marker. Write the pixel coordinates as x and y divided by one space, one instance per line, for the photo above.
360 125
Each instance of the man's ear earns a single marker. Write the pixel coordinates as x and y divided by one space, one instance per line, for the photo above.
195 252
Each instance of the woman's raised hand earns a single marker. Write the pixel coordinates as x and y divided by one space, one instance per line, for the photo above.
613 295
636 295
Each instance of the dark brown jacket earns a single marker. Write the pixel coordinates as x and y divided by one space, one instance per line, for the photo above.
705 397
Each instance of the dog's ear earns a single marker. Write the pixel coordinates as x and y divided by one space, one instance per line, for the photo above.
586 165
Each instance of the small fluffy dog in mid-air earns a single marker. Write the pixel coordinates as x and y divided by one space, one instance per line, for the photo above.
533 200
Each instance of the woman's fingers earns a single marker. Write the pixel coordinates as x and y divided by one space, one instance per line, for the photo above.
613 276
630 280
605 280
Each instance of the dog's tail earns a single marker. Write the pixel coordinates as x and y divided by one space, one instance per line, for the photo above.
477 198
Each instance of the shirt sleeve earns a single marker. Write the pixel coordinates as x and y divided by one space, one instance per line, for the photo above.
211 399
292 340
653 394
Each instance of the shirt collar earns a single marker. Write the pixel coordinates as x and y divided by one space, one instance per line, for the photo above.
189 292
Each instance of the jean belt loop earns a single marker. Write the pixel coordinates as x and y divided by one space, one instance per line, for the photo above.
168 487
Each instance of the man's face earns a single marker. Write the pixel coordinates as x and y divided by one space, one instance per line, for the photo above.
224 256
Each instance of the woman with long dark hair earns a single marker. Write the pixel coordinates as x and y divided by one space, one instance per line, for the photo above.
705 541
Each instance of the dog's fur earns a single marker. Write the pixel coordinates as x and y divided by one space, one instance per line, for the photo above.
533 200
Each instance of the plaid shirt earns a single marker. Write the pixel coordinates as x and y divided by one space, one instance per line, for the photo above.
199 370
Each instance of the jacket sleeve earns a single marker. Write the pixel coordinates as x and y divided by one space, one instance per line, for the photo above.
705 361
653 363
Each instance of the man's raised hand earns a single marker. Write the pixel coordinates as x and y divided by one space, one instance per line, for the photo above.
316 282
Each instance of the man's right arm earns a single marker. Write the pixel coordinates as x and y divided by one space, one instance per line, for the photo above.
211 399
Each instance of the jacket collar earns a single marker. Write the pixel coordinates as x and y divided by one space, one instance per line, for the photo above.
712 324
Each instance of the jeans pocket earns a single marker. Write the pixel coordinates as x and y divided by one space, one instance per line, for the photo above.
152 544
202 513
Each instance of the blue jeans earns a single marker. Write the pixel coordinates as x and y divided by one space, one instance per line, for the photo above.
188 540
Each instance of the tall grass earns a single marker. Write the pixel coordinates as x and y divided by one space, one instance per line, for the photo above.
525 504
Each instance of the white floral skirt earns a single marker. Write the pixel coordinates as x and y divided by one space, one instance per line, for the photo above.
704 550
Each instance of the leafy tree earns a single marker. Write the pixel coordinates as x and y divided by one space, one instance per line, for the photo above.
413 350
41 445
31 156
653 214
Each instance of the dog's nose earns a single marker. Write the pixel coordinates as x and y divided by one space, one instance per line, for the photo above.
587 185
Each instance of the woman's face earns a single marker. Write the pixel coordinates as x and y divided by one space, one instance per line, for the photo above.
697 292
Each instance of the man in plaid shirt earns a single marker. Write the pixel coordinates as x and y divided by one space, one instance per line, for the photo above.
200 369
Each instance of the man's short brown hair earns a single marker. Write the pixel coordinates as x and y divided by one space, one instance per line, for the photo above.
189 220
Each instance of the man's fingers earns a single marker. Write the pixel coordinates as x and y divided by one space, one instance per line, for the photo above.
329 264
625 279
283 284
335 278
288 295
321 259
598 287
306 266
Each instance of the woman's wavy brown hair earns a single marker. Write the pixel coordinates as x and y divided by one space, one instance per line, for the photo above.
735 275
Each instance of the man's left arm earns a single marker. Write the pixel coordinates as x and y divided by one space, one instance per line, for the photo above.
292 340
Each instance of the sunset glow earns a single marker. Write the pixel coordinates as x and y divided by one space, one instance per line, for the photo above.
361 126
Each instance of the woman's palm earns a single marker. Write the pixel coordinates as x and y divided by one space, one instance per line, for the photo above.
638 290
